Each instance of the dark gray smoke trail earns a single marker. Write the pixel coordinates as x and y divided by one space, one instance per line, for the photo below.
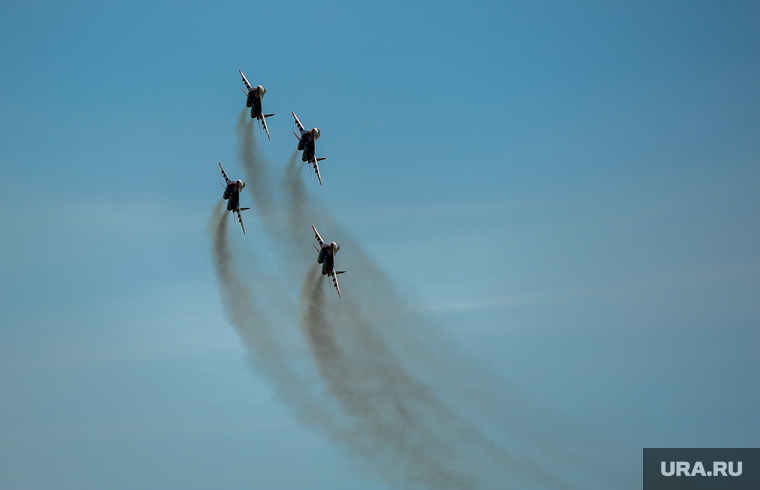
269 353
384 405
398 419
368 369
252 324
256 172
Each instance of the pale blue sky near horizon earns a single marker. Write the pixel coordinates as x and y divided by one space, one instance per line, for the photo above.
568 190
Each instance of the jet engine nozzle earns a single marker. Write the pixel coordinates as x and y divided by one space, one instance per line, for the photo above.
262 90
316 133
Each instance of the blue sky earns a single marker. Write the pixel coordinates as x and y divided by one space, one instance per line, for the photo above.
567 192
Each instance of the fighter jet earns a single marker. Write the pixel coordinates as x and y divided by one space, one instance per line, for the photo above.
232 195
306 143
326 257
253 100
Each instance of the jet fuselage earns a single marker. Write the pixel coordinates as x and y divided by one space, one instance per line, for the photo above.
306 144
232 194
253 100
327 257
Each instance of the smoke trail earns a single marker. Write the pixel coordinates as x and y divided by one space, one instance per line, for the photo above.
369 371
394 413
251 323
256 172
299 213
397 418
381 405
268 352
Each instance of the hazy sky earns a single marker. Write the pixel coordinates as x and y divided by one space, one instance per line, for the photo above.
567 192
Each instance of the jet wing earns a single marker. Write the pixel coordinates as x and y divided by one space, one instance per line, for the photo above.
316 170
240 218
334 276
319 238
226 179
298 123
264 123
245 81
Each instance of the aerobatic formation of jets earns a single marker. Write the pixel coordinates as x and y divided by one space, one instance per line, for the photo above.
306 141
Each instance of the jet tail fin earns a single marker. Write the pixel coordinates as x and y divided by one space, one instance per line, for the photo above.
268 115
322 158
244 209
340 272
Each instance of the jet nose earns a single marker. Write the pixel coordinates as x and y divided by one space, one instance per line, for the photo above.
316 132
